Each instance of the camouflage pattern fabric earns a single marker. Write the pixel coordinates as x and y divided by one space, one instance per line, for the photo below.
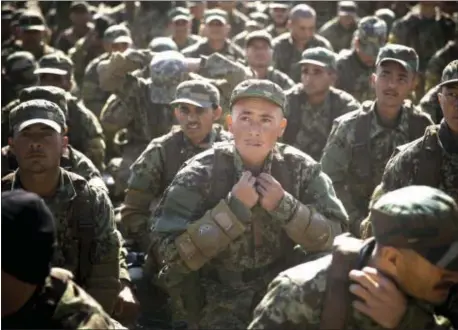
68 38
56 63
190 40
450 73
286 55
279 78
237 20
229 301
259 88
82 54
316 120
276 31
339 37
37 110
340 162
429 104
230 50
147 24
103 282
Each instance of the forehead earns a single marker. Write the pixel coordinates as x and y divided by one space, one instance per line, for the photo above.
191 107
392 66
256 106
304 21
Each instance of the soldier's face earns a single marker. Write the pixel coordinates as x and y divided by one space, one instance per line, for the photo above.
55 80
196 122
423 280
279 15
38 148
256 125
316 79
31 38
259 53
303 29
216 30
180 27
393 83
448 98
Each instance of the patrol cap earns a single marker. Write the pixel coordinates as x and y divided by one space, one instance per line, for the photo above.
420 218
215 14
32 21
7 13
450 74
101 24
260 34
28 229
79 6
253 25
180 13
16 16
302 11
279 4
387 15
260 17
372 33
260 88
319 56
55 63
198 93
401 54
117 34
20 67
37 112
161 44
346 8
53 94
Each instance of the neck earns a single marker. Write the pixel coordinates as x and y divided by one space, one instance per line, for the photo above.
180 39
427 11
300 44
81 30
43 184
317 99
388 115
217 44
15 294
261 71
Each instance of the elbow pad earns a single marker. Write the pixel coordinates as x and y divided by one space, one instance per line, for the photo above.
208 236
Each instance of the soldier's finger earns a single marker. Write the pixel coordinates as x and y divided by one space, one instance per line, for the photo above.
361 292
261 190
365 280
261 182
267 177
384 283
245 176
363 308
251 180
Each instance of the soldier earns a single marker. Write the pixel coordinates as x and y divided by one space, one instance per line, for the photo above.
235 18
35 296
388 16
339 30
430 104
18 73
440 59
356 65
180 28
313 104
426 29
161 44
80 17
229 220
288 47
116 38
197 9
257 22
279 13
258 50
411 260
89 47
362 141
216 32
88 243
196 108
31 37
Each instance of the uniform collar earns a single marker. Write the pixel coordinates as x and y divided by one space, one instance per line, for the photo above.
448 140
266 167
206 143
376 126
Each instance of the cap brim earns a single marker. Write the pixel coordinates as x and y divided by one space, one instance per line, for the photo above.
55 126
255 95
403 63
40 28
122 40
55 71
278 5
215 18
181 18
314 62
248 41
346 13
192 102
448 82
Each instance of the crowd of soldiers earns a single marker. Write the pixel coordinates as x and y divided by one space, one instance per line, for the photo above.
229 165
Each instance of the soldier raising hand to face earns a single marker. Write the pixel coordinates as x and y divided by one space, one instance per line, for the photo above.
245 190
270 190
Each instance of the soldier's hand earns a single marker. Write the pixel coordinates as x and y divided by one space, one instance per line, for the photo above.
382 301
127 307
245 191
270 190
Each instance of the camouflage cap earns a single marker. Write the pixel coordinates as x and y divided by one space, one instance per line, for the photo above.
49 93
168 69
420 218
260 17
179 13
55 63
20 68
279 4
319 56
37 112
450 74
197 92
346 8
302 11
7 12
117 34
401 54
387 15
260 88
79 6
260 34
372 34
32 20
215 14
161 44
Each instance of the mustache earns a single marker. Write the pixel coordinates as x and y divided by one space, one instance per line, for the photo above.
391 91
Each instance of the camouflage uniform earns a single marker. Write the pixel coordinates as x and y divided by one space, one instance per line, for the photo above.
153 171
202 47
237 20
325 11
359 146
98 271
84 130
425 35
388 16
232 268
354 76
275 31
309 125
286 56
93 95
183 14
298 298
439 61
339 36
430 105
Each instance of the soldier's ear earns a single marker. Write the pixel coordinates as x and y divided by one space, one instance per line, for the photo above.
288 25
228 28
415 81
11 144
176 112
229 122
64 143
283 124
217 113
373 80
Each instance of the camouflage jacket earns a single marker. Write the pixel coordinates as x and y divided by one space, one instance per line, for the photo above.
295 300
154 170
68 38
286 56
358 149
438 62
94 97
339 37
353 76
60 304
191 40
230 50
146 25
82 53
103 280
437 152
237 20
309 125
276 31
429 104
38 54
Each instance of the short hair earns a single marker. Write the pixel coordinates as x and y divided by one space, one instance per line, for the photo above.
302 11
